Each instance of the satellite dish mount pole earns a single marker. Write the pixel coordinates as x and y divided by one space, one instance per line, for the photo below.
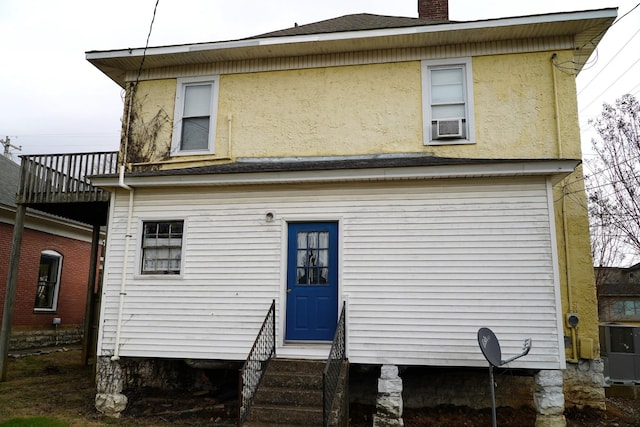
490 348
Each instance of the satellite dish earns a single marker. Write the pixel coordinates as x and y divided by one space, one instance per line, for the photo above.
491 349
490 346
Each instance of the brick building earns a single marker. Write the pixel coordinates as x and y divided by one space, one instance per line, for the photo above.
54 264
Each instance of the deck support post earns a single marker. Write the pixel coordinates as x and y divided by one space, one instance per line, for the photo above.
88 338
10 291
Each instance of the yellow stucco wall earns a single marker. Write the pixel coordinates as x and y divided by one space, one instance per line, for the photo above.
325 111
576 264
373 109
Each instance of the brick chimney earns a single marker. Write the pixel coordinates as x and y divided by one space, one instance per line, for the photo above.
438 10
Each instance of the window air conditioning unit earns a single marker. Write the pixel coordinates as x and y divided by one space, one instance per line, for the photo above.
449 128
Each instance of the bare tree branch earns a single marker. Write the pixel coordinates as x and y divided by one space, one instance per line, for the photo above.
613 186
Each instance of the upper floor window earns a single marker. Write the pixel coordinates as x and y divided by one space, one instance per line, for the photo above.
626 308
48 281
195 112
161 247
447 98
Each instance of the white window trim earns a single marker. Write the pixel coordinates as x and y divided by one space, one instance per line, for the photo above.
426 101
56 292
182 83
137 273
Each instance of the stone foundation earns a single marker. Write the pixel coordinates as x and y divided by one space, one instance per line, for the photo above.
28 339
549 392
109 385
389 402
549 399
584 384
116 379
430 387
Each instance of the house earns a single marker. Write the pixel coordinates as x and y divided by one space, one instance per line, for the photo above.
49 307
619 314
411 170
618 294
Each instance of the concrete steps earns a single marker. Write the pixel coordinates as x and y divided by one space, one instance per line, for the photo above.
290 395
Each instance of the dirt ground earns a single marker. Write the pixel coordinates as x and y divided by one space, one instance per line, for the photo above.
53 384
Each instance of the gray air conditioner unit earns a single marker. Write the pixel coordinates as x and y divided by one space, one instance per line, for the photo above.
449 128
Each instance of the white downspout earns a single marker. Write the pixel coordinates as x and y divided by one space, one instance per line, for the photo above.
123 281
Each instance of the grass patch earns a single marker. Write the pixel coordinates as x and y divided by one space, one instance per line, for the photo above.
34 422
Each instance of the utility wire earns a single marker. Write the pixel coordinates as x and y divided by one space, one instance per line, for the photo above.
609 62
591 41
134 87
146 46
606 29
573 68
609 87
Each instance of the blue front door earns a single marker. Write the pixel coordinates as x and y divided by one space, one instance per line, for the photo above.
312 281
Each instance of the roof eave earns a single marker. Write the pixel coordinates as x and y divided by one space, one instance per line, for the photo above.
555 169
585 27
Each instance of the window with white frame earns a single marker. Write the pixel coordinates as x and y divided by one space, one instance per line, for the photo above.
194 129
447 98
161 247
48 281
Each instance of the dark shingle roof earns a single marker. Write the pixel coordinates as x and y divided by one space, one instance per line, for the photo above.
302 164
356 22
9 177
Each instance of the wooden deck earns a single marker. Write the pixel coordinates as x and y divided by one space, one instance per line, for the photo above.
59 184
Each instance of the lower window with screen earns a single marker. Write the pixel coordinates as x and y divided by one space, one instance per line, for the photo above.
161 247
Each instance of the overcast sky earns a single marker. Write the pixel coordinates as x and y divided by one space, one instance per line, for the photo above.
53 101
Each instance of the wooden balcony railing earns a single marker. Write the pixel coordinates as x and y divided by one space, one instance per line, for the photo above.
63 178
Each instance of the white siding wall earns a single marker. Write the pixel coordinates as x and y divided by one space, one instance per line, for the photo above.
423 266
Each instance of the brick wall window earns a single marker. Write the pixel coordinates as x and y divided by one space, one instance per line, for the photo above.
48 281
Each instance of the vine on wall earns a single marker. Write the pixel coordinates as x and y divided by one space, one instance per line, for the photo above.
144 140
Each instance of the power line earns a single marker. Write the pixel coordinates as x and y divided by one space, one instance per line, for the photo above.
606 29
609 62
609 87
575 66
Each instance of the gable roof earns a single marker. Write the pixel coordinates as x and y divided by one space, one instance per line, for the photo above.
362 32
9 178
355 22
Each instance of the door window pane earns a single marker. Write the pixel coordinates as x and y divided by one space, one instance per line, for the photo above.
312 258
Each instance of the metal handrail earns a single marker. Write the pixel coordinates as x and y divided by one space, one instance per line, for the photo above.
252 372
333 370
